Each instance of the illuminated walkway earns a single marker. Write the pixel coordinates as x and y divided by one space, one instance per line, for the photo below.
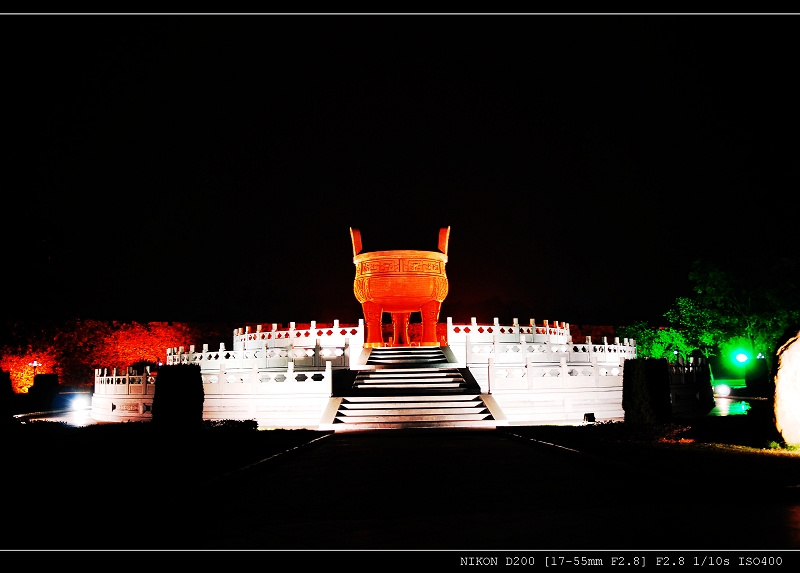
730 406
76 417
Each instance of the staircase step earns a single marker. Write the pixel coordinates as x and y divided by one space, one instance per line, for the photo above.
402 360
419 411
398 399
408 354
405 352
409 349
383 405
418 379
415 425
392 356
432 379
411 388
399 371
413 418
411 385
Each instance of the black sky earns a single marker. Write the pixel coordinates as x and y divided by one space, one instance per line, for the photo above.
209 167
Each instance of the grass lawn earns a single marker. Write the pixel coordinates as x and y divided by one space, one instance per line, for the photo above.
733 454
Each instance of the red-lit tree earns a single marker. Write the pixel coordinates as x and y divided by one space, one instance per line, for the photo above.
18 366
141 343
72 349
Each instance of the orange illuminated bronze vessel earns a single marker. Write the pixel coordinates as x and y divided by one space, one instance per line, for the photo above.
400 282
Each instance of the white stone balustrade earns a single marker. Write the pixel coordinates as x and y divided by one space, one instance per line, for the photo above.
532 376
128 383
311 348
545 332
283 378
287 382
332 336
473 344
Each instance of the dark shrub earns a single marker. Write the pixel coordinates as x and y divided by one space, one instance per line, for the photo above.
44 389
178 398
243 426
6 399
705 391
645 391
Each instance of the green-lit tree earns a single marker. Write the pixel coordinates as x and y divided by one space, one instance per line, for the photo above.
754 303
696 324
740 310
657 341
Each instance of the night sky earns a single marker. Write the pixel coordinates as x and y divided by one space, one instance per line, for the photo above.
208 168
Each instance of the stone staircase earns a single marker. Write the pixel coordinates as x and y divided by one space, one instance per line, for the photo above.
411 387
402 356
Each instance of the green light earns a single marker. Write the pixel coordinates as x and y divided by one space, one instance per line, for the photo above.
741 357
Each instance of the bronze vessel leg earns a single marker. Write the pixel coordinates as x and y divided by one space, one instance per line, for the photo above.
430 316
372 317
400 326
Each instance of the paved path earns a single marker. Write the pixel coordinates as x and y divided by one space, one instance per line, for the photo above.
467 489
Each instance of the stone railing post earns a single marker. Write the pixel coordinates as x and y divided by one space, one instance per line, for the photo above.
529 370
490 375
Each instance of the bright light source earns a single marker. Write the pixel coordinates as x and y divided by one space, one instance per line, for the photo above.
722 390
741 357
80 403
787 392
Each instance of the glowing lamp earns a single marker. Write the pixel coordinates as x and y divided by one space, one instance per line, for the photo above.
741 357
35 364
722 390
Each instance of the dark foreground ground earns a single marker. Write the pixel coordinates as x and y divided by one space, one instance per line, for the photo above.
710 483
